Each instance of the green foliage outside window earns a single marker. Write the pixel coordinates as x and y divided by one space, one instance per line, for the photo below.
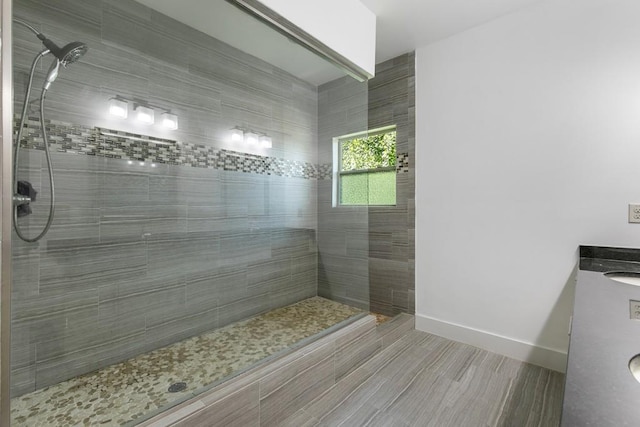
369 152
367 170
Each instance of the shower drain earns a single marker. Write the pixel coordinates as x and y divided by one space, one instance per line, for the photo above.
176 387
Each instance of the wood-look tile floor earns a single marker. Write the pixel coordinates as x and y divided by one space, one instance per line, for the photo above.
425 380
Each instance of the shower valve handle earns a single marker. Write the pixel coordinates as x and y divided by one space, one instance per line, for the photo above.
19 200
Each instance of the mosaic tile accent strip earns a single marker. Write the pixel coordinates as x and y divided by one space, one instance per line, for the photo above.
123 393
402 162
325 171
94 141
62 136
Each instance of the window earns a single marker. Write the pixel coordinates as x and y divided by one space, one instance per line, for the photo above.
366 173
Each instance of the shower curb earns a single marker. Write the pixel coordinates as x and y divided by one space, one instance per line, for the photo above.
268 394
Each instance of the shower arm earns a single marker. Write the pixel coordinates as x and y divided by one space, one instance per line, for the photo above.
25 24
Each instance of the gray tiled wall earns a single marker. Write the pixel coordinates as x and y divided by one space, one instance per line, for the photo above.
366 255
343 234
140 256
392 229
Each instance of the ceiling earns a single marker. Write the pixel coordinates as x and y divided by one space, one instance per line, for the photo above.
402 26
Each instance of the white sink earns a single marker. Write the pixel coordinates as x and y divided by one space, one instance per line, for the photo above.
634 366
628 278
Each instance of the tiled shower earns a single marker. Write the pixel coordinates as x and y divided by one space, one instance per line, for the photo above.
162 235
158 235
387 277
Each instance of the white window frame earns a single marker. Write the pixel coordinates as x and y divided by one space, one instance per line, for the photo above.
337 162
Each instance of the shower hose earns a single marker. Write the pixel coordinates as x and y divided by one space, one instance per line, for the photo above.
18 200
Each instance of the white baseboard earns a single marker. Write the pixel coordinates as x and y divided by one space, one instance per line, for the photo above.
520 350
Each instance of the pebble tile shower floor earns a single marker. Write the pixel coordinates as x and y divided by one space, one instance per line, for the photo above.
124 393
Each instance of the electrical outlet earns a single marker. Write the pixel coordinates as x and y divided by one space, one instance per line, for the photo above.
634 213
634 309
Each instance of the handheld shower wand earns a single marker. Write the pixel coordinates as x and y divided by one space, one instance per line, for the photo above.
64 56
52 74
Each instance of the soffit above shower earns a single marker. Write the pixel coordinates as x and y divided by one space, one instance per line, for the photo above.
343 30
227 23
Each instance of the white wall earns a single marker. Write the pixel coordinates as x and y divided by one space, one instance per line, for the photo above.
528 133
346 26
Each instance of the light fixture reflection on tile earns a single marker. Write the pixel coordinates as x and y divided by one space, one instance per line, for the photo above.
144 114
237 135
144 111
118 108
251 138
170 121
265 141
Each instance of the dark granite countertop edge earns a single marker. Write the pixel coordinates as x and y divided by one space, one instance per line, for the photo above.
605 259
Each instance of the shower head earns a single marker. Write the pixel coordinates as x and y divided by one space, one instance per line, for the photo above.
72 52
67 54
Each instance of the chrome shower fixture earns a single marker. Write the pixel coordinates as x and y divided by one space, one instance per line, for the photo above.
52 74
67 54
64 56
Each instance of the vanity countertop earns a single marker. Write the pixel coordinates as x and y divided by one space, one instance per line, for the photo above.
599 388
605 259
